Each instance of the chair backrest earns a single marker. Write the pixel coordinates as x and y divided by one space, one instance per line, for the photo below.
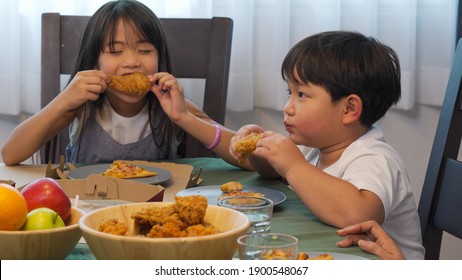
440 206
199 48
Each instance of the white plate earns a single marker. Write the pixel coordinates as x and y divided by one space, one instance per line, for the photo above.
337 256
212 193
83 172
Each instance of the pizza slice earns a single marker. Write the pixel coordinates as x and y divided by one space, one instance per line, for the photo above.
125 170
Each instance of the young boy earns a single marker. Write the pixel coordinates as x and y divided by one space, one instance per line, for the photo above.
340 84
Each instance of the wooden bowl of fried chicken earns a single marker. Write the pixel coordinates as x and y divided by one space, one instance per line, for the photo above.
187 229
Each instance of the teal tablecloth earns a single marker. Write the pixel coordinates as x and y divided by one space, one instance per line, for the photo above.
290 217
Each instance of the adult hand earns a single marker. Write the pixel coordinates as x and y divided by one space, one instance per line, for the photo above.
371 238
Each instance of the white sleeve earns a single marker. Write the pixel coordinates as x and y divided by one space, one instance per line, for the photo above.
375 173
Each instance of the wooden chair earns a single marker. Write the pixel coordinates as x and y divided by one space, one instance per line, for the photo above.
199 48
440 206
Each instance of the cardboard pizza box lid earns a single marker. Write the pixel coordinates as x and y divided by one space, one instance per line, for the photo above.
98 187
183 176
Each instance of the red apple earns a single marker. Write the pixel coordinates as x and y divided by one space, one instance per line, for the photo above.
46 192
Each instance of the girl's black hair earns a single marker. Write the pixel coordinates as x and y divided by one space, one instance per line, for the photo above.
102 28
345 63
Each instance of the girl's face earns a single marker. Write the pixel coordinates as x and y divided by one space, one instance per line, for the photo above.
310 117
127 54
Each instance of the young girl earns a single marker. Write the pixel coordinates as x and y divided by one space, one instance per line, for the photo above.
122 37
340 84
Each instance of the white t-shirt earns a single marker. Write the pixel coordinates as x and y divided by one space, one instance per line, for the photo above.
370 163
123 130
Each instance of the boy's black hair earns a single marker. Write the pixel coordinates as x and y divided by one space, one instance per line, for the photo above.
101 30
347 63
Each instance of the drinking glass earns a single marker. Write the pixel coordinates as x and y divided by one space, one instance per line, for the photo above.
259 210
267 246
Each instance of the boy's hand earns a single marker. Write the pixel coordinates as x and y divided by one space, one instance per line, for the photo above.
85 86
240 134
280 152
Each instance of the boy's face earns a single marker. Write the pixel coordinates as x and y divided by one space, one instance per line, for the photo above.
128 54
310 117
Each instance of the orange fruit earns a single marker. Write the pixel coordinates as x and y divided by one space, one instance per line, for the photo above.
13 208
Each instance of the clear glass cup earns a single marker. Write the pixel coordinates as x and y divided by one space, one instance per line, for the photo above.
259 210
267 246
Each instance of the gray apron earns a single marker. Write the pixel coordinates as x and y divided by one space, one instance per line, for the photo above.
94 145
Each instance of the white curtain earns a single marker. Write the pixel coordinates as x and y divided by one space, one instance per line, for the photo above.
9 58
421 31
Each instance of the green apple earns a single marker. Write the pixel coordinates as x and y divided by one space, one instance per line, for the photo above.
43 218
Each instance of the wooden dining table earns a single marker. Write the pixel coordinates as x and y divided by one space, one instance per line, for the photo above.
290 216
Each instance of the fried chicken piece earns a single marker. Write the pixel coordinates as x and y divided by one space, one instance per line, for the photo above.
201 229
146 218
236 189
113 226
302 256
305 256
247 146
133 84
231 186
192 208
240 193
169 229
325 257
246 200
172 230
276 254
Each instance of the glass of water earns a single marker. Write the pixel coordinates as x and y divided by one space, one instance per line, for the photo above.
259 210
267 246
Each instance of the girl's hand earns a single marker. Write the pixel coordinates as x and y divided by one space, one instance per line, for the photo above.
279 151
85 86
170 94
240 134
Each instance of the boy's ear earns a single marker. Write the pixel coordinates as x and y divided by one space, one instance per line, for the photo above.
353 108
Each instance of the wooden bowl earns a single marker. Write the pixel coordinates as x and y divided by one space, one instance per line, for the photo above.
223 245
42 244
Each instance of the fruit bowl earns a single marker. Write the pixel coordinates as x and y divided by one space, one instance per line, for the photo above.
41 244
223 245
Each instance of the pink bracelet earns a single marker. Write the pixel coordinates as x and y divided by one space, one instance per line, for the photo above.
217 138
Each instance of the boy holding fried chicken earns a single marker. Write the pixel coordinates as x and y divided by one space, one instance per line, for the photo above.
334 157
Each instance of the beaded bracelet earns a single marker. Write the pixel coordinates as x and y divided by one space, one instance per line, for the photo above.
217 138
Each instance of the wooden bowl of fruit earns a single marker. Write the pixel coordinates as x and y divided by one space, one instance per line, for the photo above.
45 244
30 226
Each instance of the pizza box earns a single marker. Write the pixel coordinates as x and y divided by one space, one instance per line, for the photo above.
98 187
182 177
8 182
107 190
